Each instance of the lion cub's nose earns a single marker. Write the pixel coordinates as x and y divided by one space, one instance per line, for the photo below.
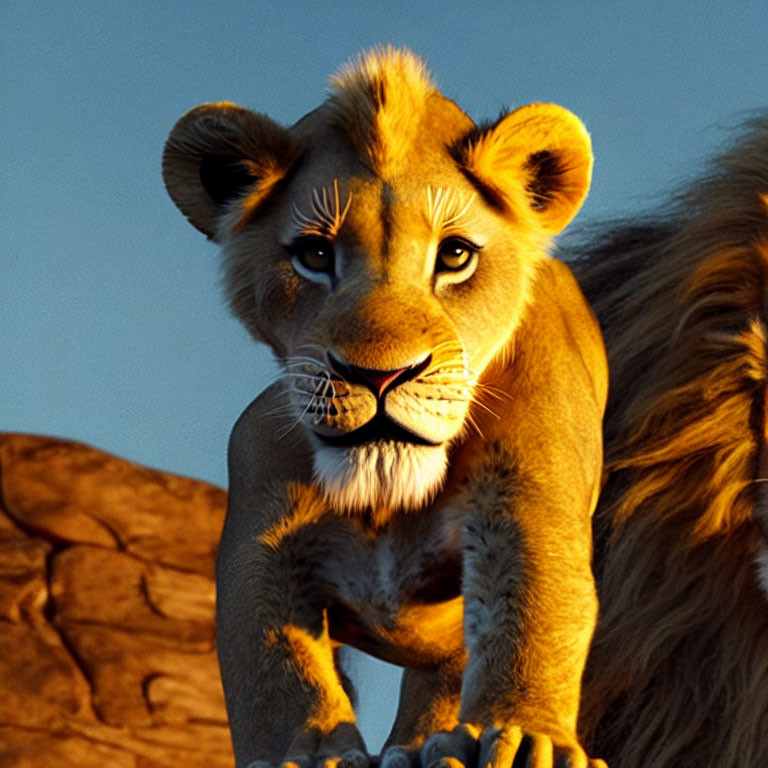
378 381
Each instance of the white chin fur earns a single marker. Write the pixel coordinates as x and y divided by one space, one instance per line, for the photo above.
761 561
380 474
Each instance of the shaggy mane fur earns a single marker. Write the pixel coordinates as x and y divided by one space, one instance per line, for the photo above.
678 672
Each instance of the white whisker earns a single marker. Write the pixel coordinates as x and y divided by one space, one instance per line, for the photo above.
495 392
278 410
472 423
299 376
310 346
304 361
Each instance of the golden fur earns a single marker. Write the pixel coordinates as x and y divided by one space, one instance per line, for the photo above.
678 672
420 482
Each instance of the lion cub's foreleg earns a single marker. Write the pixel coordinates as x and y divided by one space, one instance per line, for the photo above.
512 695
530 604
284 693
529 611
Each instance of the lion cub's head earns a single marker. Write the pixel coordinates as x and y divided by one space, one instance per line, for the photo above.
383 246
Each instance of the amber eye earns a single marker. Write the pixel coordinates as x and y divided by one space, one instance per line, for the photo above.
313 253
455 254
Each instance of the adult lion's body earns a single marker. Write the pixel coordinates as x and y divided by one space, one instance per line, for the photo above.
678 672
420 483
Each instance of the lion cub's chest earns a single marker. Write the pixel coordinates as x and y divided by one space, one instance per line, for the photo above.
396 594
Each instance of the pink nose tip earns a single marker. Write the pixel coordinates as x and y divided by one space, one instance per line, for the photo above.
378 381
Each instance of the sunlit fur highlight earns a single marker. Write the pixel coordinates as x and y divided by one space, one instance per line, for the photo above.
447 210
544 189
378 100
316 667
678 671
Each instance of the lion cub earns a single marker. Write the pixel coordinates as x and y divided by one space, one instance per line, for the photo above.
420 482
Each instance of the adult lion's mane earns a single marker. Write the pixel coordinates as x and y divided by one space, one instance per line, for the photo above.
678 671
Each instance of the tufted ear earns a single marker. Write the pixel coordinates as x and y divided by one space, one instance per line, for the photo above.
538 157
219 153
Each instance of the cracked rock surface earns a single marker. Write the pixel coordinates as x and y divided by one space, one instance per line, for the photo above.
107 643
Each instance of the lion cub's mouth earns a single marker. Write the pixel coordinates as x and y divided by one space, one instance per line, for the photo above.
379 428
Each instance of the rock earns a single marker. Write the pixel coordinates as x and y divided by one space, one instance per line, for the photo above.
107 641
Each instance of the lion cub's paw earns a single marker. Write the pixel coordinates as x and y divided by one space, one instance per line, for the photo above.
501 748
342 747
399 757
451 749
351 758
511 746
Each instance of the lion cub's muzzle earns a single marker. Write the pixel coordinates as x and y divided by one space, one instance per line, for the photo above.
380 383
344 404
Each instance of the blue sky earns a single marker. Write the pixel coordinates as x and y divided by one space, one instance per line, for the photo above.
114 331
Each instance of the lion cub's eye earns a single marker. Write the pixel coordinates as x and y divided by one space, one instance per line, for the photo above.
455 254
312 256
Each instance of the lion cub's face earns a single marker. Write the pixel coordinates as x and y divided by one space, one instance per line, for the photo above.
391 281
383 247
